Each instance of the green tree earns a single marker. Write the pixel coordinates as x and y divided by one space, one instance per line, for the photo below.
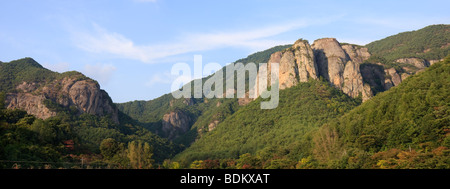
140 155
2 100
109 147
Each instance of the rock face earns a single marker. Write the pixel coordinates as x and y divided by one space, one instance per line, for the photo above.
175 123
304 57
340 65
72 91
296 64
395 78
356 53
288 70
374 75
33 104
353 82
434 61
417 62
213 125
331 59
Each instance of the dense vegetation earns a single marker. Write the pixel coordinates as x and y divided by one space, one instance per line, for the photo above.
430 43
283 132
66 139
262 56
18 71
405 127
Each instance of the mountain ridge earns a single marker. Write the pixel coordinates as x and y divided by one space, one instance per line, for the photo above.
365 76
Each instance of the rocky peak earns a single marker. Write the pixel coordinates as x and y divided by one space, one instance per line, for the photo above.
304 57
296 64
326 58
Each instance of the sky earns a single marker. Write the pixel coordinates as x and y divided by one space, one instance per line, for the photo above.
130 46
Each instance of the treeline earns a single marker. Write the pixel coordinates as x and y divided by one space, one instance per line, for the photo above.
394 158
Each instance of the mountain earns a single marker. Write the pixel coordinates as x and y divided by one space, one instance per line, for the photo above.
41 92
65 119
349 68
359 71
383 105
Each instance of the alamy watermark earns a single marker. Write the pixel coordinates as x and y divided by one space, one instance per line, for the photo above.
214 86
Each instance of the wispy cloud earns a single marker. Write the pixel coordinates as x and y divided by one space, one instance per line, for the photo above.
99 72
166 78
58 67
100 40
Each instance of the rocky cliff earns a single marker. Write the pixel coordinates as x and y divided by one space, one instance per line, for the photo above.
296 64
70 90
346 66
331 60
175 123
341 66
327 58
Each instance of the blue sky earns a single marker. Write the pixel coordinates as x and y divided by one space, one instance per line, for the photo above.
129 46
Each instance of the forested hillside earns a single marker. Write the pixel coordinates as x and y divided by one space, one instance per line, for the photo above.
405 127
281 133
430 43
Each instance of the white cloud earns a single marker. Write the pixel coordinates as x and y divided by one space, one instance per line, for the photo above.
166 78
100 72
58 67
102 41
